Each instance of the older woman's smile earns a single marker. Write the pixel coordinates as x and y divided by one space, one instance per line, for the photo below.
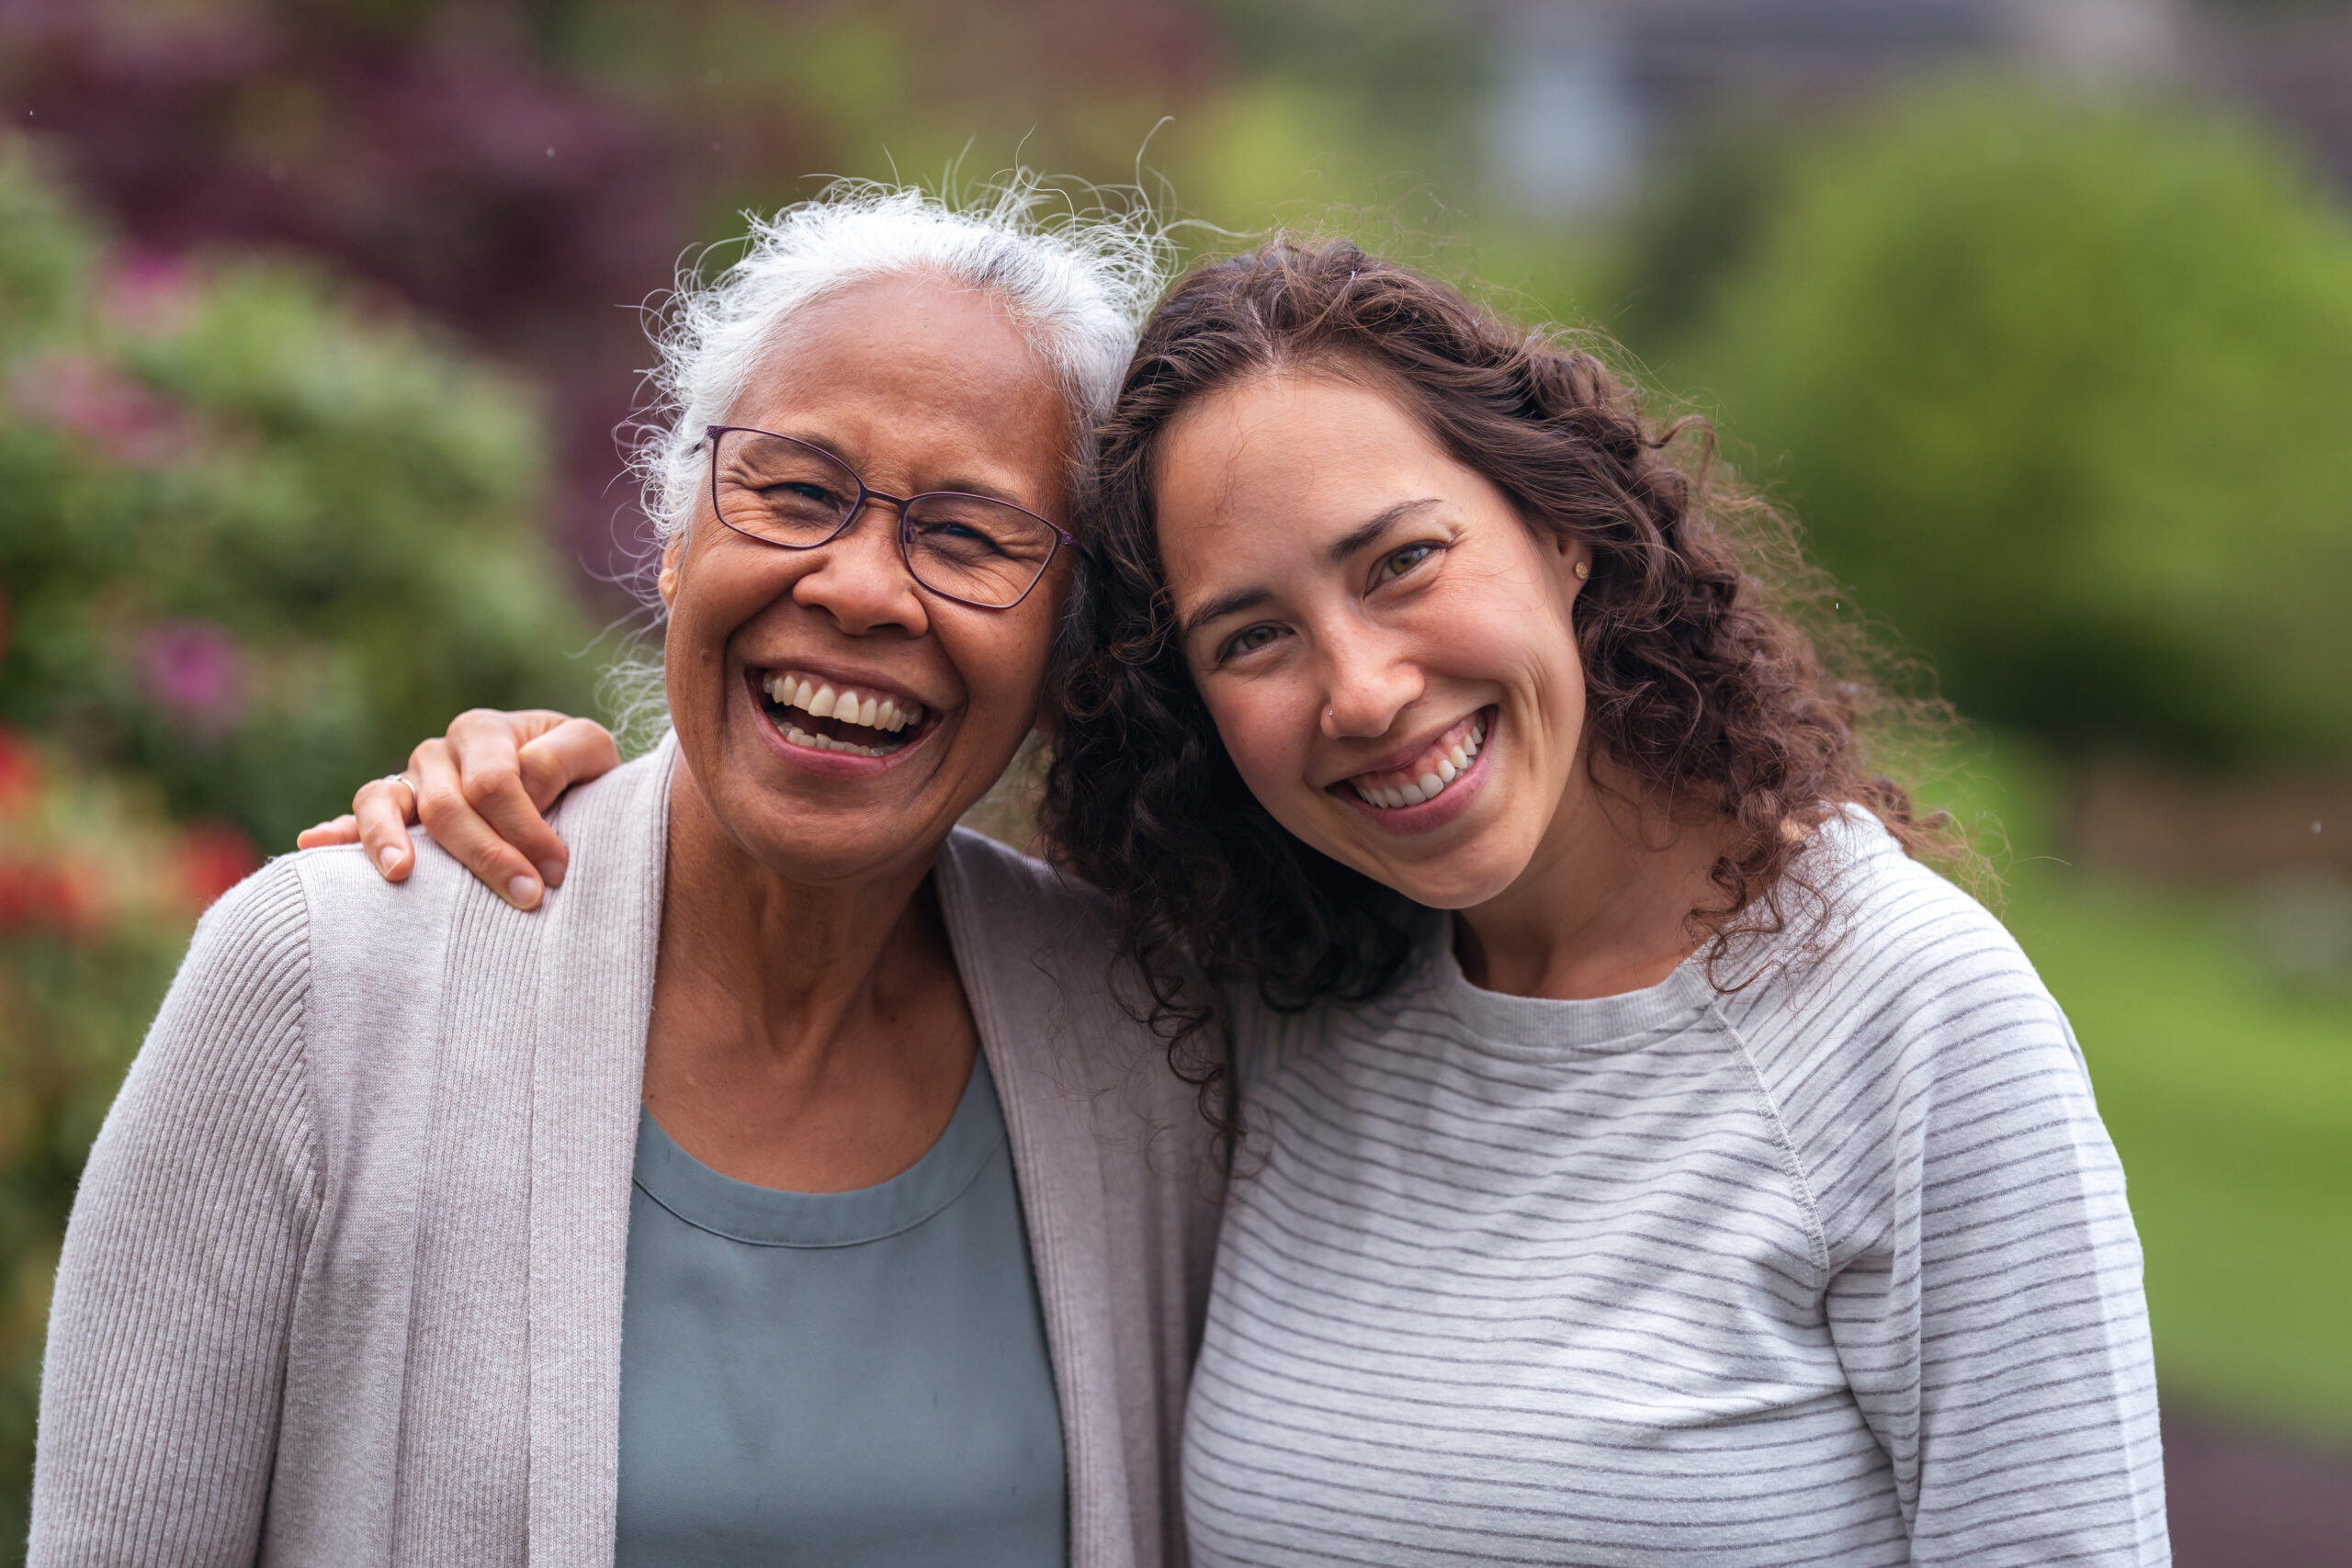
846 715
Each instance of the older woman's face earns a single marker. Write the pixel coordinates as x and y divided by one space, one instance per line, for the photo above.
919 386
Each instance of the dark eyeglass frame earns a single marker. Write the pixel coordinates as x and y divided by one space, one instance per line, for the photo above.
866 494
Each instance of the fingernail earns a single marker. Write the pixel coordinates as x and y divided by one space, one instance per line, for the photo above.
390 858
522 892
551 872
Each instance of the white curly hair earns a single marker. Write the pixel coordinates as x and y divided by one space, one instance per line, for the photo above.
1077 276
1077 269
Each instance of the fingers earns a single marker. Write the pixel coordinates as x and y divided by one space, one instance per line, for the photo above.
489 734
488 747
343 830
381 812
572 752
483 792
449 801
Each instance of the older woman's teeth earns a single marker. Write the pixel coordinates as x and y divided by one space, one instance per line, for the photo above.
1450 759
820 699
800 736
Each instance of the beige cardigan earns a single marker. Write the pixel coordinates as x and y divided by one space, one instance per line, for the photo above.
343 1282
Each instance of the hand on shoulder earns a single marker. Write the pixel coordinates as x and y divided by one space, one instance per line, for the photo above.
484 791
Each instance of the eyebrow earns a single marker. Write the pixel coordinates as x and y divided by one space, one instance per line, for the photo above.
1355 539
981 488
1232 603
1346 544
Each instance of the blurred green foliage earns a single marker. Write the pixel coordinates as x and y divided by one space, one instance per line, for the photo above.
255 536
2060 388
2227 1087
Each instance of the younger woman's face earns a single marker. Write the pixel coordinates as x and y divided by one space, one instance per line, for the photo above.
1386 647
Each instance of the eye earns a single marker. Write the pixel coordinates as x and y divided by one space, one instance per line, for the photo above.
1248 639
1397 563
799 489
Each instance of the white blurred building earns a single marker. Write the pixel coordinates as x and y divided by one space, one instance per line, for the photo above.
1584 86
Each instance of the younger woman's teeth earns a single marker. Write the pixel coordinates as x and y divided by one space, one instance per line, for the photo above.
1428 779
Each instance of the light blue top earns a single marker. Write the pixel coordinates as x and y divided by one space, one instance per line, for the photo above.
838 1378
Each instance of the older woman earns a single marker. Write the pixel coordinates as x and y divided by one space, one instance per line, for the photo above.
768 1195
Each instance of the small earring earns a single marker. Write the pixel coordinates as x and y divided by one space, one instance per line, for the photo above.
1583 570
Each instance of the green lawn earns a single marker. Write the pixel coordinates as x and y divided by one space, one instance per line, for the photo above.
2229 1091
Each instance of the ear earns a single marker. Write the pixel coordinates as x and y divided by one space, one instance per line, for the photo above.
667 583
1575 557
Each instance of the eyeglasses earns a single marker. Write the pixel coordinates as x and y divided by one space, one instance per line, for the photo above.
970 548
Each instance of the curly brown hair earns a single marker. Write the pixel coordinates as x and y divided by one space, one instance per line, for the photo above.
1702 686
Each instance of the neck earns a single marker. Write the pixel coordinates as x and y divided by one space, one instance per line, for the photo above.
1604 905
791 972
814 1037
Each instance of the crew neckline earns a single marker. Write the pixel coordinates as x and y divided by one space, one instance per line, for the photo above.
767 1216
1544 1026
1540 1026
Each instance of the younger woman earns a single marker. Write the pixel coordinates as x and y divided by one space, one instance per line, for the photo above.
1644 1160
1716 1182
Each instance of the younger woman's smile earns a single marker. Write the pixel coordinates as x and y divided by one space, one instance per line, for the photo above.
1441 771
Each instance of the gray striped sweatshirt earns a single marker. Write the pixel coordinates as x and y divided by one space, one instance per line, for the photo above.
1834 1268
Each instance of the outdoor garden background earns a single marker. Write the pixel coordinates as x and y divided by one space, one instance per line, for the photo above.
317 318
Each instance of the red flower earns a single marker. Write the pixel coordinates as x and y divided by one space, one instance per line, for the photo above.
214 857
45 892
19 774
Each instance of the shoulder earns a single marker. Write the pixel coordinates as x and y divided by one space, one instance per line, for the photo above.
1906 990
1010 900
304 916
254 939
627 807
229 1046
1041 953
345 901
1033 941
1885 942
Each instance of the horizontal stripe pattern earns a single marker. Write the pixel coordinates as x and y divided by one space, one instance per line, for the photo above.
1833 1267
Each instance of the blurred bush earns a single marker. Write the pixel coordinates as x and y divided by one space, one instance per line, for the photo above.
2061 388
97 891
256 536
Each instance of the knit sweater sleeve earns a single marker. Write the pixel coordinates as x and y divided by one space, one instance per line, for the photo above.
168 1329
1982 1274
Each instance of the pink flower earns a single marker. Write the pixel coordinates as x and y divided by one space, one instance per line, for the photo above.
195 671
152 293
85 395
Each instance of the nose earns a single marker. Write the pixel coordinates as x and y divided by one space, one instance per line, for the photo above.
860 579
1365 684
